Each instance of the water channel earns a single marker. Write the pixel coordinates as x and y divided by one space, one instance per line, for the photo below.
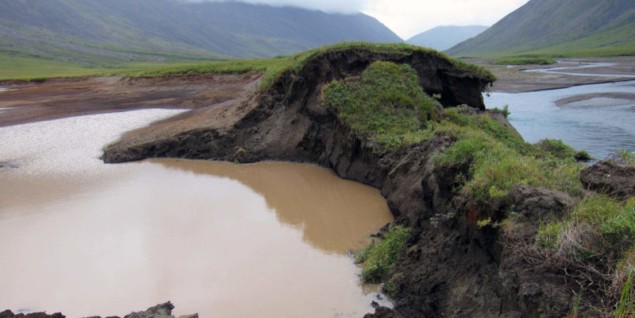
597 118
218 239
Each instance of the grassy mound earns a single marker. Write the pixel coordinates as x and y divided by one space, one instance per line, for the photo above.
385 103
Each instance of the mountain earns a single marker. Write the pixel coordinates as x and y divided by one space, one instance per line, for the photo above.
444 37
559 26
93 31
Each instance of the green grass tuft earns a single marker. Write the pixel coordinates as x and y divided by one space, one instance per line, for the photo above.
379 258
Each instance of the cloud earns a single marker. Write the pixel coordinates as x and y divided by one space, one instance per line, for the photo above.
331 6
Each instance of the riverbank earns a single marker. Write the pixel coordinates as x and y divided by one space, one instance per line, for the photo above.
529 78
25 102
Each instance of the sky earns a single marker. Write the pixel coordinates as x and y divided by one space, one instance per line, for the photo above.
410 17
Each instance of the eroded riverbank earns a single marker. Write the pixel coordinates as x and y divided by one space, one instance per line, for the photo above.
208 236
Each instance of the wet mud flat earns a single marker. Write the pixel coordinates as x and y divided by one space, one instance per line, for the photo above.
23 102
579 71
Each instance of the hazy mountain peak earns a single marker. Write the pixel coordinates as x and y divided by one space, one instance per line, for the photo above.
444 37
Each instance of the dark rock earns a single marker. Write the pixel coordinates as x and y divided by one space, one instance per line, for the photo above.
158 311
6 314
610 177
538 204
9 314
383 312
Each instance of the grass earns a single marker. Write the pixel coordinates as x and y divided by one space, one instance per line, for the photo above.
500 159
380 256
25 68
524 61
385 103
28 68
596 238
610 222
561 150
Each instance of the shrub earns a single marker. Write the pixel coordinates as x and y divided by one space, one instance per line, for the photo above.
505 111
379 257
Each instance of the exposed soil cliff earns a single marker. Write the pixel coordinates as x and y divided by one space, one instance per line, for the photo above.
452 267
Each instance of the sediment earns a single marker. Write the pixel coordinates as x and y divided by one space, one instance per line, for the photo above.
451 267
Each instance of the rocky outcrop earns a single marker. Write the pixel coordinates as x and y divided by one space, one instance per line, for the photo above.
452 267
610 177
159 311
10 314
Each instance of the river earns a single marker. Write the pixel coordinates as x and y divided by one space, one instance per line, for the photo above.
597 118
218 239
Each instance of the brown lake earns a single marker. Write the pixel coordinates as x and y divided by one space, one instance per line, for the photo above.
218 239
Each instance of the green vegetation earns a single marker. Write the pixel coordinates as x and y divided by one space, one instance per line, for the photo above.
385 103
82 32
597 225
505 111
628 157
379 257
23 68
561 150
500 159
29 68
273 68
524 61
552 29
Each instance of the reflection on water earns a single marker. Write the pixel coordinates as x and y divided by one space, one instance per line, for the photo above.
220 239
334 214
599 125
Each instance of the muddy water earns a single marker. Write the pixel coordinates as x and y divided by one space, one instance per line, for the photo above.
220 239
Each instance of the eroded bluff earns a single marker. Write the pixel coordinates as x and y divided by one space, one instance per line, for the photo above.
451 268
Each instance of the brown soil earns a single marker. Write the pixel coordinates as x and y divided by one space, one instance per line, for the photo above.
515 80
57 98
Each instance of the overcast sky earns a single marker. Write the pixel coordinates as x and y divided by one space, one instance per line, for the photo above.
409 17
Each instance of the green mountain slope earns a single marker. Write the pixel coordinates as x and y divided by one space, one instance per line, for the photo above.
444 37
106 31
569 27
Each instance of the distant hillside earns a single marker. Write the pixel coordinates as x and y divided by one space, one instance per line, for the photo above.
444 37
98 31
578 27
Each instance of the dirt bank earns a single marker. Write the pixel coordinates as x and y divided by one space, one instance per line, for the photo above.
452 267
57 98
515 79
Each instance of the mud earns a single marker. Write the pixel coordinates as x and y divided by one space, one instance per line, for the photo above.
58 98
